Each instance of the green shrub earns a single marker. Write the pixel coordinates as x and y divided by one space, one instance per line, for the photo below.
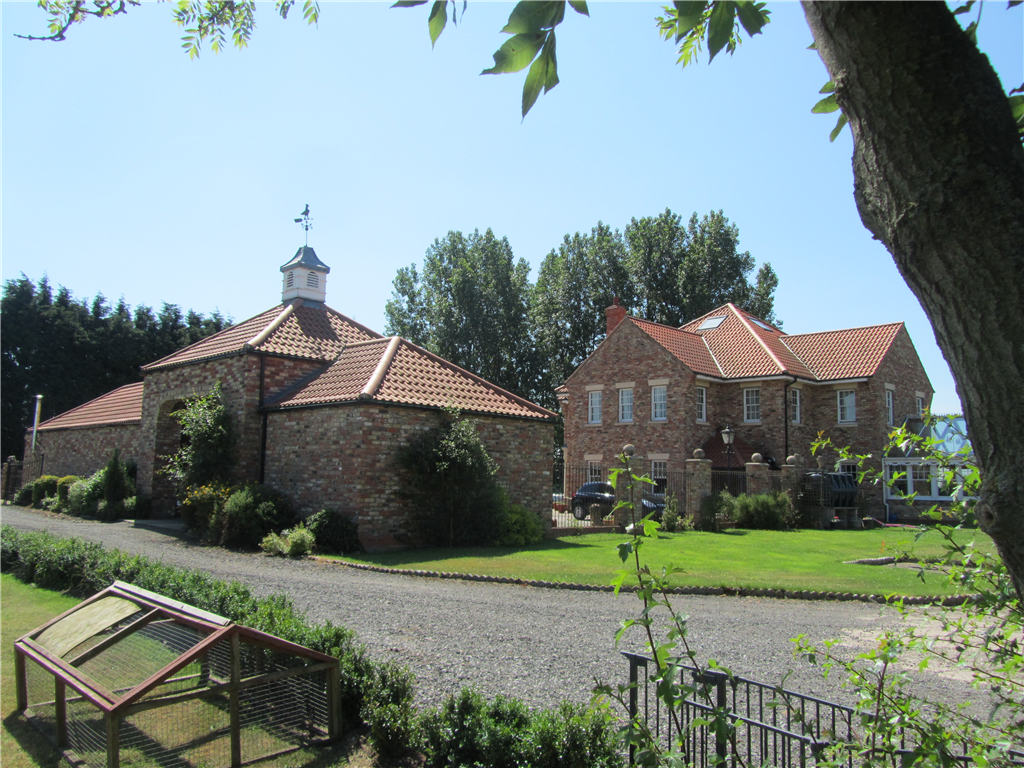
296 542
450 483
334 532
201 504
84 496
44 487
468 731
274 544
763 511
138 507
670 517
207 455
23 498
117 485
388 710
64 486
711 509
519 527
109 511
248 515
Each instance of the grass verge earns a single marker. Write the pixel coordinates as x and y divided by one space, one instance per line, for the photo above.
794 560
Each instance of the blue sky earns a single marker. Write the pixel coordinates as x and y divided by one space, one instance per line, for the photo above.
132 171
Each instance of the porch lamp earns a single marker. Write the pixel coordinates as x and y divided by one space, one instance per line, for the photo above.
728 435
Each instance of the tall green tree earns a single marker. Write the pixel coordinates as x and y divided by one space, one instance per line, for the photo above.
470 306
71 351
680 273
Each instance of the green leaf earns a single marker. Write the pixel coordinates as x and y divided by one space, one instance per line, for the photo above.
531 17
625 549
438 19
688 16
826 105
828 87
839 127
720 27
543 74
963 8
409 3
580 6
812 47
752 16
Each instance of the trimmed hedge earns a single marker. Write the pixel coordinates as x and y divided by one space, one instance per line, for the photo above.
44 487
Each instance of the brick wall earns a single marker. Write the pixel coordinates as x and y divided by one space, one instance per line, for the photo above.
80 451
160 434
343 458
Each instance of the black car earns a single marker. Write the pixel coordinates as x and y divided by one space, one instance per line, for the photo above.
604 494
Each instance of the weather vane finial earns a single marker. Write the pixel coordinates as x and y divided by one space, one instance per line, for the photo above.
305 221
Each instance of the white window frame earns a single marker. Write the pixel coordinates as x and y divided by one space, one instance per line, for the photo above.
794 405
752 405
920 406
595 472
659 397
626 404
594 407
890 407
702 404
849 468
846 411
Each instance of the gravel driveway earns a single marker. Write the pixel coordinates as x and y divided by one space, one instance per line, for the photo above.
540 645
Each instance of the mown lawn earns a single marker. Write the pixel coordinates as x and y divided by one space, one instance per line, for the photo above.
796 560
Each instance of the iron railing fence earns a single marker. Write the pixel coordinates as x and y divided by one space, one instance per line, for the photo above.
13 472
733 481
569 478
771 726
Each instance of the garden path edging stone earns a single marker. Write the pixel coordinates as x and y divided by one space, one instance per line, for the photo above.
948 601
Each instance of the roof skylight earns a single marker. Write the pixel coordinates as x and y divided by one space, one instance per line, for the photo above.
711 323
757 322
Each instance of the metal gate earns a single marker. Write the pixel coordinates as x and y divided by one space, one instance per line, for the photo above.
13 471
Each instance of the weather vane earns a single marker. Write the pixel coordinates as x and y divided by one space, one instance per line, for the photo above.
305 221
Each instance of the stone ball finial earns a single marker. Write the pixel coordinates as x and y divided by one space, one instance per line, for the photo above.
699 453
757 458
629 449
821 462
793 460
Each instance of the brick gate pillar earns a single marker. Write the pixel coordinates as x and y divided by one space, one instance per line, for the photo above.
758 481
698 483
792 470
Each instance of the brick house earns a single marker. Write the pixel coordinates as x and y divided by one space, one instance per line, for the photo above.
321 404
672 390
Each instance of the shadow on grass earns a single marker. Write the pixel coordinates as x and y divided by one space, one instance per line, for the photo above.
430 554
37 748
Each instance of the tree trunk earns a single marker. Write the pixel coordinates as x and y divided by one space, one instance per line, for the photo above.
939 178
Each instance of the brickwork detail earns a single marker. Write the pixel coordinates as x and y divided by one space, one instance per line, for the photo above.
79 452
343 458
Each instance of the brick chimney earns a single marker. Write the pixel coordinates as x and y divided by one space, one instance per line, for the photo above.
615 314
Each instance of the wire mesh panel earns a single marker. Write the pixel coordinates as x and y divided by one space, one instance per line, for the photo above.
282 715
187 733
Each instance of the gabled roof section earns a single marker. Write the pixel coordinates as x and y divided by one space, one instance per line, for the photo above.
291 330
846 354
687 347
396 371
121 406
730 343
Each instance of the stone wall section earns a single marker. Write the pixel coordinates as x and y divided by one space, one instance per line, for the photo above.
343 458
79 451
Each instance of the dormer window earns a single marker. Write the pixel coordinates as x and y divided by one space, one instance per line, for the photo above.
290 280
312 281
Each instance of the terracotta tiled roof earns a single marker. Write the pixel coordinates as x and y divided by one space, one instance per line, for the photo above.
297 330
742 346
688 347
121 406
397 371
846 354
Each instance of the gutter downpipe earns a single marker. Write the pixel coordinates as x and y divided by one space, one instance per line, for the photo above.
263 420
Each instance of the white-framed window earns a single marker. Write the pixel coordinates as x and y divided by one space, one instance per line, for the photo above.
890 407
752 404
794 405
659 403
702 403
849 468
625 404
847 405
595 473
659 474
594 407
920 406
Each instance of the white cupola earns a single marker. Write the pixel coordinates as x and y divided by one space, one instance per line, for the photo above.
304 277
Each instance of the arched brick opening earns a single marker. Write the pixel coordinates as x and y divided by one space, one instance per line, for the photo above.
168 441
